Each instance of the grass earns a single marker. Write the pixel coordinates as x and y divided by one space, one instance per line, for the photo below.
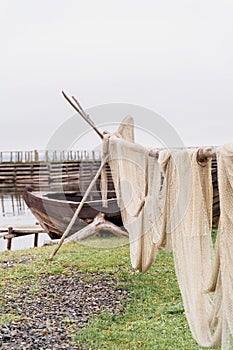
153 315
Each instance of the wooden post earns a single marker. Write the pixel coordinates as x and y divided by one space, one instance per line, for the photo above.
36 155
46 156
61 156
54 155
9 240
36 240
67 231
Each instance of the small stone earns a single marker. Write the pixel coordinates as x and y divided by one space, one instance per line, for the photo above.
84 320
6 337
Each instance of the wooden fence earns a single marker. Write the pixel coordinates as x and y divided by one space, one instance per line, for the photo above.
43 176
47 169
47 156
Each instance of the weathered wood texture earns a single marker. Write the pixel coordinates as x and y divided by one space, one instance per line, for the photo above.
98 224
52 175
80 207
19 231
54 210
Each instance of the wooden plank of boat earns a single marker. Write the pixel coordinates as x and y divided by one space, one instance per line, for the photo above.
21 228
55 210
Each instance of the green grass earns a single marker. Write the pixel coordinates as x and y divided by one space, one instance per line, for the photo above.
153 315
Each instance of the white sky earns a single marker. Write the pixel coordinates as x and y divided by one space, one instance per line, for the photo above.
173 57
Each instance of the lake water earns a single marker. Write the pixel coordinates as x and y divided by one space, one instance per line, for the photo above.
13 211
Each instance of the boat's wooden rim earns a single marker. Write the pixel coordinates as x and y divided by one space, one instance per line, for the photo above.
42 196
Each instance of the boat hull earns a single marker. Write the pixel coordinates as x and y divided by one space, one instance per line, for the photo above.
55 210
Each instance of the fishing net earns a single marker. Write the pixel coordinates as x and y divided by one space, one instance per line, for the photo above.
136 179
223 275
177 212
188 222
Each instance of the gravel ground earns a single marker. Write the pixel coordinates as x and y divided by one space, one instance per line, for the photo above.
50 310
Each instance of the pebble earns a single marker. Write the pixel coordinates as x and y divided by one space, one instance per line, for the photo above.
63 301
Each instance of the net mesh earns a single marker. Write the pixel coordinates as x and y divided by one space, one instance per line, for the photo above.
177 213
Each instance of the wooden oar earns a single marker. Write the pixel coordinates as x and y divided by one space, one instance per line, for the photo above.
83 114
67 231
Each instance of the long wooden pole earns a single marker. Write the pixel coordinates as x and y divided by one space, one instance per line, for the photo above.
80 107
82 113
205 153
87 117
67 231
202 154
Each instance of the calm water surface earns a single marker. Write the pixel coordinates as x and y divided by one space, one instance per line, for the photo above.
13 211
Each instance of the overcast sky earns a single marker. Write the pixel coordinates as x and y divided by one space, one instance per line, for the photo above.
172 57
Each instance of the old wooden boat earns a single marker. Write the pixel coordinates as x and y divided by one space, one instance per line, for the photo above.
54 210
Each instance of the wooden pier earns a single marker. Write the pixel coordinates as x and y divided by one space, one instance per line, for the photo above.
11 232
46 170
